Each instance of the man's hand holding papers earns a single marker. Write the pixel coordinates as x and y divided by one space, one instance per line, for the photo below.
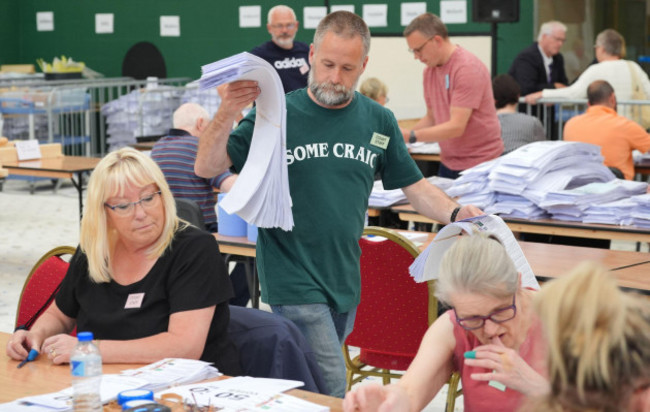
261 193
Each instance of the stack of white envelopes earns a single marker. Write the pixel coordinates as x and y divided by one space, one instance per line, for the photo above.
260 194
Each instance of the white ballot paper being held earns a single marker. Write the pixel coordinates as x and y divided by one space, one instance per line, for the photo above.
427 265
260 194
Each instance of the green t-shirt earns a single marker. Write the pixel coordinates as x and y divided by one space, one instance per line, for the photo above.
332 158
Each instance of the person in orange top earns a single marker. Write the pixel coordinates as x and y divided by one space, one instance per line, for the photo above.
616 135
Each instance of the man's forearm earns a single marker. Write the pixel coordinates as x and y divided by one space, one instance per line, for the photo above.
428 200
212 157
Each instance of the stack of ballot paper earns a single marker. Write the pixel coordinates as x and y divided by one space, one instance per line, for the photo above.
517 185
640 215
261 193
618 212
424 148
172 371
143 112
156 376
472 186
427 265
570 204
246 394
380 197
516 170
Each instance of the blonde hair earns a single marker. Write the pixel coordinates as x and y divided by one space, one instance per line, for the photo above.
113 173
373 88
477 264
598 340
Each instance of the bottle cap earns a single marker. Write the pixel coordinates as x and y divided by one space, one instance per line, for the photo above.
134 394
85 336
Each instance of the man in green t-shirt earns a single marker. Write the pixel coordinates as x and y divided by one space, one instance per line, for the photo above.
337 140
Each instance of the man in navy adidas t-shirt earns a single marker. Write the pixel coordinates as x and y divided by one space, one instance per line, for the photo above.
289 57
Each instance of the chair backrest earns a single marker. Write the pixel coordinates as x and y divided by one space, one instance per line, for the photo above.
395 311
271 346
191 211
41 285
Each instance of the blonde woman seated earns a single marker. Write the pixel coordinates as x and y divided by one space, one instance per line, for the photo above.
146 284
375 89
491 336
599 344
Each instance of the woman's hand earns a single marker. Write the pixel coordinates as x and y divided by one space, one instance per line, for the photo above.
20 343
59 347
374 397
507 367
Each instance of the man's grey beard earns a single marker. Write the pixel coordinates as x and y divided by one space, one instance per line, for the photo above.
284 41
330 94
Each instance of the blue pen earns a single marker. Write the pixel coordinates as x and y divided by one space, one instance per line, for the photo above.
32 355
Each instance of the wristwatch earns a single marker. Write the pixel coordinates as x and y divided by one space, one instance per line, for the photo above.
412 137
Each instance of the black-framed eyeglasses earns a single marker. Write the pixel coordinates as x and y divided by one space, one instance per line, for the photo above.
418 50
497 316
146 201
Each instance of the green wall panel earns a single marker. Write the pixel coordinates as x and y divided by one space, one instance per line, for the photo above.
209 30
9 32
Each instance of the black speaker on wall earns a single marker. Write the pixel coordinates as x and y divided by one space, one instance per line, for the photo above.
495 11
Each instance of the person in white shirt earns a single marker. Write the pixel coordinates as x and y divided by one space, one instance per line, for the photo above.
611 67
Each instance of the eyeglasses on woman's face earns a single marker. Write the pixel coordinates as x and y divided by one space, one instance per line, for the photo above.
496 316
147 201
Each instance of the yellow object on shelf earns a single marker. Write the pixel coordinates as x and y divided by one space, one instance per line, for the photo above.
62 65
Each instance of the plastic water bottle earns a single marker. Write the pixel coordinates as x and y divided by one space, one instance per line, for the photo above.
86 367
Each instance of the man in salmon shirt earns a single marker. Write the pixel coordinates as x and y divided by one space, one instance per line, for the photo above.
458 92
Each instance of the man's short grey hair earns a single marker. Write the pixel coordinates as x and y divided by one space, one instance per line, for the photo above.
279 7
187 115
428 24
549 27
476 264
612 42
343 24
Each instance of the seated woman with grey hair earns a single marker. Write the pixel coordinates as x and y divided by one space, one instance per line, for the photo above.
148 285
491 336
598 344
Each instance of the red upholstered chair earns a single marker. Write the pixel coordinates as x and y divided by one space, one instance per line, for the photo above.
394 312
41 285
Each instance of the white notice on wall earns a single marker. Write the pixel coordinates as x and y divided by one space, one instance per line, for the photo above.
28 149
375 15
453 11
45 21
250 16
342 7
103 23
170 26
409 11
313 15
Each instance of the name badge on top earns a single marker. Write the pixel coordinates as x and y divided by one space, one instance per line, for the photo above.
379 140
134 301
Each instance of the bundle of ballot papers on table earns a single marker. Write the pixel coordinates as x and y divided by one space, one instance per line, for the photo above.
187 379
554 179
261 193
